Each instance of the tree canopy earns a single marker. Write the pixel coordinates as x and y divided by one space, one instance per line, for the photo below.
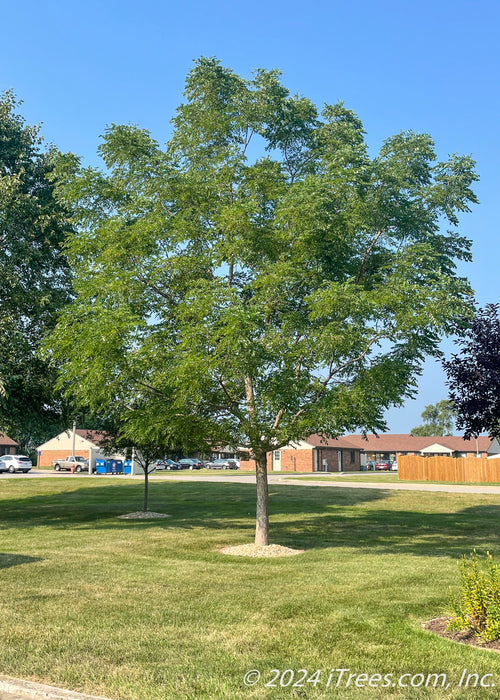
438 418
34 276
262 277
474 375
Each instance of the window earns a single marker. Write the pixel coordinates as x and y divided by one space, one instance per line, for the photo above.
352 457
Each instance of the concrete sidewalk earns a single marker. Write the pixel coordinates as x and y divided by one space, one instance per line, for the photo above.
283 479
315 480
15 689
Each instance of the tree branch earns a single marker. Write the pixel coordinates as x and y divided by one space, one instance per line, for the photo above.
332 371
250 401
247 140
375 339
154 287
278 418
153 389
225 390
291 172
366 255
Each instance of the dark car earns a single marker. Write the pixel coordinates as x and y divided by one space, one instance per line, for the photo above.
167 464
191 463
222 464
15 463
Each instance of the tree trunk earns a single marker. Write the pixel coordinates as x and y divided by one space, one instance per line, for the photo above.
262 523
146 488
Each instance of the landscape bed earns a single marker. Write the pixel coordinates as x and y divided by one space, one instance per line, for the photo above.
151 610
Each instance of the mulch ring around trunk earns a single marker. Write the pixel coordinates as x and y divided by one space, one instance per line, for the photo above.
255 550
143 515
438 626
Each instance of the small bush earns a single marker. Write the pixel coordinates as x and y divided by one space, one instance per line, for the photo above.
477 605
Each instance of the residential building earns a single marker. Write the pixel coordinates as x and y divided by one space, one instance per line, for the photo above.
87 444
352 452
389 446
7 445
315 454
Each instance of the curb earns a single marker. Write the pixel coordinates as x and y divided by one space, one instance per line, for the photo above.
38 691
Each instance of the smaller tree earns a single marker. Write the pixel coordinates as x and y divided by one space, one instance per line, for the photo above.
438 418
146 456
474 375
150 441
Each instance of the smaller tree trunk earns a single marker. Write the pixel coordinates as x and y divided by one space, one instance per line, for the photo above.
146 488
262 521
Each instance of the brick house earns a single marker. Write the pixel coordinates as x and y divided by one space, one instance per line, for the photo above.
389 446
7 445
315 454
88 444
352 452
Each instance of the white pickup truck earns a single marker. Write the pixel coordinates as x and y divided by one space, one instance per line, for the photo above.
79 464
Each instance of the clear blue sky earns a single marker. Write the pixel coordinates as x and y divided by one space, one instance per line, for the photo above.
428 66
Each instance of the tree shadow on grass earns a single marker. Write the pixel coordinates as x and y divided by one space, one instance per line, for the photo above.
301 517
398 532
190 505
8 560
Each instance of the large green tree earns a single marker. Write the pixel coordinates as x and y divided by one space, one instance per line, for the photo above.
34 276
438 418
262 277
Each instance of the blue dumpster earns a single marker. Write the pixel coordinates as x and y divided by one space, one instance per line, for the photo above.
100 466
114 466
127 466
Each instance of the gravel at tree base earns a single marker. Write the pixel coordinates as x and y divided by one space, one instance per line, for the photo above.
255 550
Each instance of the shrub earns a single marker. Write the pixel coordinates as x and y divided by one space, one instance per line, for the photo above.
477 605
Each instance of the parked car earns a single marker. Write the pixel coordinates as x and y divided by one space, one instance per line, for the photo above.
370 466
77 464
15 463
191 463
167 464
382 466
222 464
394 467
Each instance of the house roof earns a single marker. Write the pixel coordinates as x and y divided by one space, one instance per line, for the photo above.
87 440
414 443
341 443
94 436
5 440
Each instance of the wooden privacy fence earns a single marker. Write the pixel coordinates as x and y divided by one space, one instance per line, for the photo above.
468 469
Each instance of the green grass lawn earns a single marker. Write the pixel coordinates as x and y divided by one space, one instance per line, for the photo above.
144 610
